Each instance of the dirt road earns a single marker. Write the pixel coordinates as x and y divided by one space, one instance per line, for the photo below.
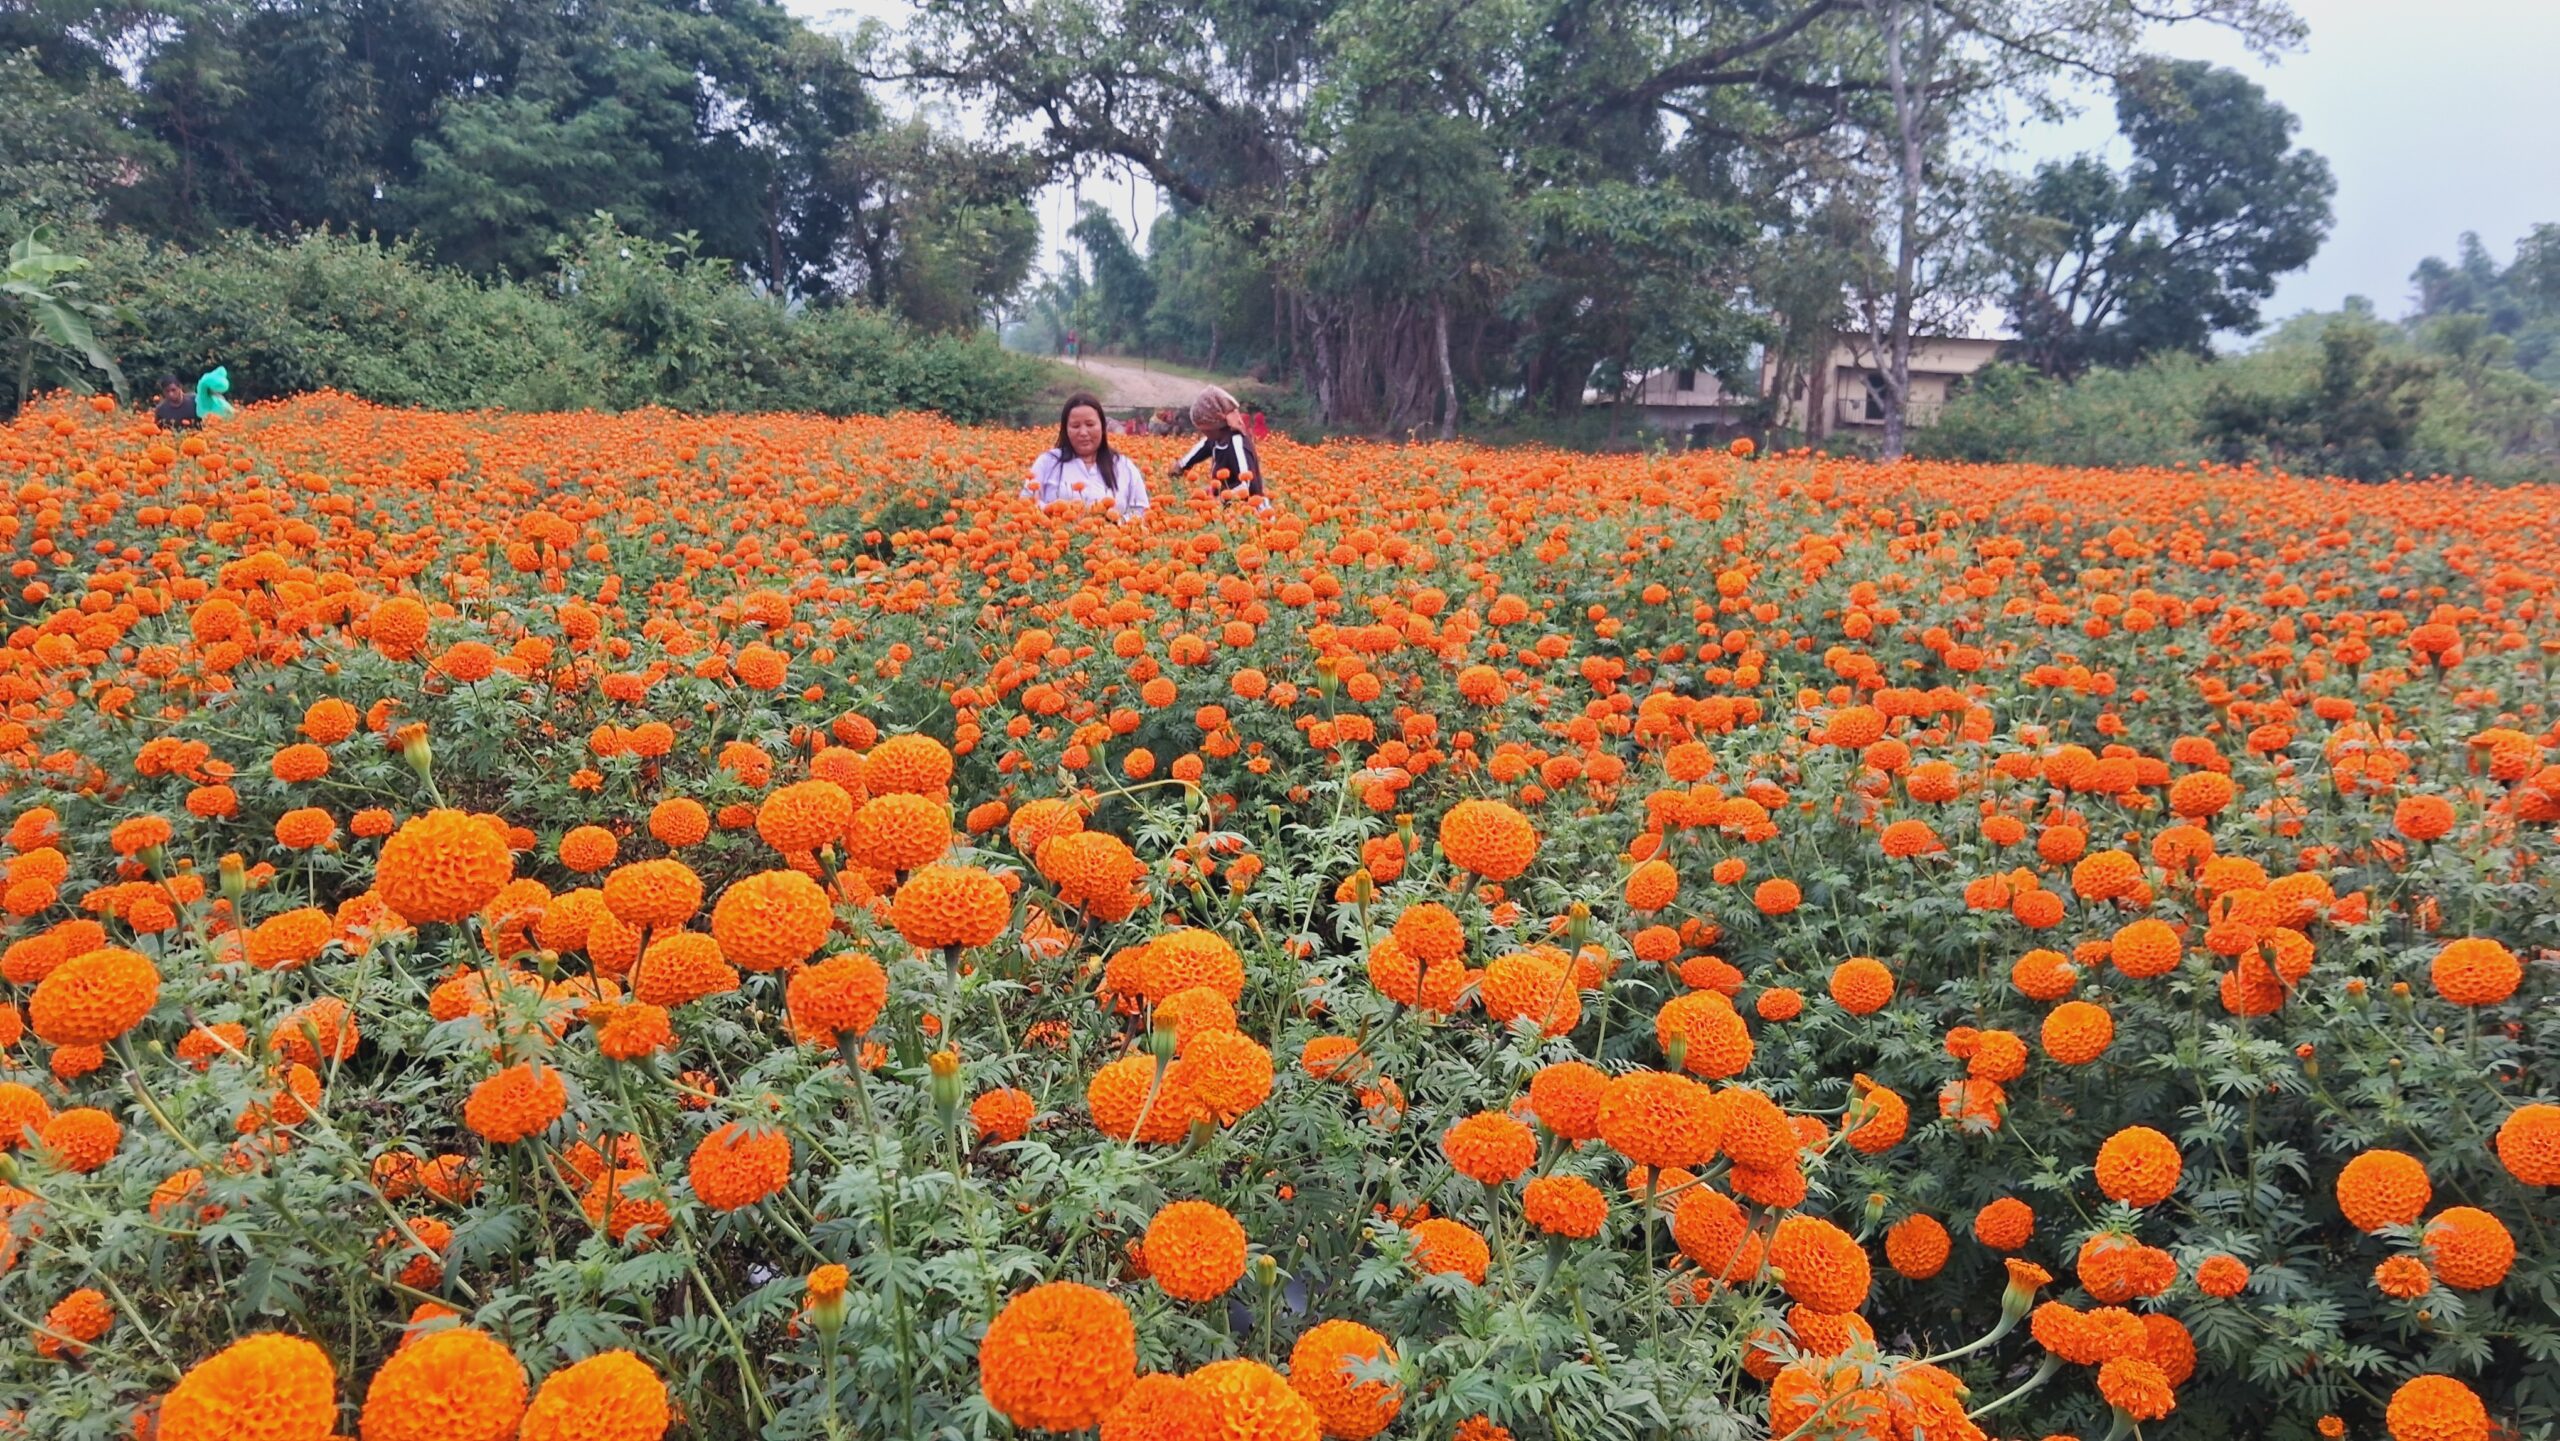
1128 386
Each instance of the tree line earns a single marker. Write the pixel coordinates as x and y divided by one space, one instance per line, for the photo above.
2466 384
1414 208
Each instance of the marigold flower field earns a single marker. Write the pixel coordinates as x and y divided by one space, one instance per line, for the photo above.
586 928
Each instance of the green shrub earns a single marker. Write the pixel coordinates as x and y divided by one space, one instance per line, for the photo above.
624 323
2142 416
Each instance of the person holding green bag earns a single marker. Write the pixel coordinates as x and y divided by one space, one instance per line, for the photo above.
211 387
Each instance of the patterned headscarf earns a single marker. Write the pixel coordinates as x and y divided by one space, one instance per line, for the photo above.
1213 407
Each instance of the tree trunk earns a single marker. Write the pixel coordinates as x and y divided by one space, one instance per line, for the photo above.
1448 378
1907 119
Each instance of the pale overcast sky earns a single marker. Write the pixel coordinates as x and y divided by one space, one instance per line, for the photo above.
2435 115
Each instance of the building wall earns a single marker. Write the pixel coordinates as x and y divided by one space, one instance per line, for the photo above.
1835 399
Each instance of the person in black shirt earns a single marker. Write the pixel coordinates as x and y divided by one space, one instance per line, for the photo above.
177 409
1234 464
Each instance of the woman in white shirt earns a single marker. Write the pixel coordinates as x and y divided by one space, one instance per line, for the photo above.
1084 468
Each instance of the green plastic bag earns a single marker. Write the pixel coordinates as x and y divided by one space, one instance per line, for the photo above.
210 389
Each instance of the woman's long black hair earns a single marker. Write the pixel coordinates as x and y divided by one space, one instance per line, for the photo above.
1103 458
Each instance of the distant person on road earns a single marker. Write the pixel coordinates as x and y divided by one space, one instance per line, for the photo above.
1235 466
177 409
1083 468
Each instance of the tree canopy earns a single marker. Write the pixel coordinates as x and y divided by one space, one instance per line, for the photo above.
489 131
2106 269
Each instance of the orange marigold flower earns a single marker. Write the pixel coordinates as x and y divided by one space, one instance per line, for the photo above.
1862 985
2222 1277
1490 1146
624 1200
442 866
2005 1224
1489 839
1228 1073
899 832
1533 986
803 816
1429 932
1194 1011
681 967
1707 1032
1118 1096
2381 1189
2077 1032
948 906
1652 886
1160 1407
771 920
2422 817
2436 1408
1996 1056
1443 1246
1321 1367
1917 1246
457 1384
520 1101
2139 1166
1711 1230
1779 1003
94 998
1755 1133
73 1322
1040 820
1565 1096
266 1387
1195 1250
738 1165
613 1396
586 849
1094 871
2173 1346
2475 971
2145 948
1187 957
2469 1249
910 765
1058 1357
1878 1120
1657 1119
838 995
1251 1402
1002 1115
2200 794
2137 1388
319 1030
2403 1278
679 822
282 942
1819 1264
1567 1206
23 1114
1776 897
653 894
2529 1144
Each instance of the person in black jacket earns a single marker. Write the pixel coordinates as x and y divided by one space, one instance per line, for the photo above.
177 409
1234 465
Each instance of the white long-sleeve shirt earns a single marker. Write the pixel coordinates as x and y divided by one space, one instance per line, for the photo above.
1056 477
